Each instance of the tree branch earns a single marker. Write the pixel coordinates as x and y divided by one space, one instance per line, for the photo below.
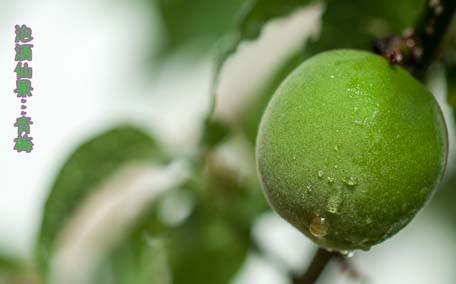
417 46
430 29
320 260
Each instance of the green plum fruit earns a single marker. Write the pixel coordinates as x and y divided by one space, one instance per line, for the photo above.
350 148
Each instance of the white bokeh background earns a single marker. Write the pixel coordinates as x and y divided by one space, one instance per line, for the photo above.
90 73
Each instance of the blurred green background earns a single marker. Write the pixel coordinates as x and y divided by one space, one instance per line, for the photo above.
131 183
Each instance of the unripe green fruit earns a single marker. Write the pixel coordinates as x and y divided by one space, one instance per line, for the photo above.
350 148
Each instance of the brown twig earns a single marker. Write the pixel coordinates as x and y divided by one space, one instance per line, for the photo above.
319 262
417 46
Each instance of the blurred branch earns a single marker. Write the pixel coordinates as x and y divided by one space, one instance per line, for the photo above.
319 263
320 260
430 29
417 46
347 267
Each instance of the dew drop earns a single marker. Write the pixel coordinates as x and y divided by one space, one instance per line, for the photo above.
332 76
336 148
333 204
332 208
348 253
320 174
309 188
319 227
330 180
351 181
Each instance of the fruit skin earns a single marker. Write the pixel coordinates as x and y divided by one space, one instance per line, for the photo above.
350 148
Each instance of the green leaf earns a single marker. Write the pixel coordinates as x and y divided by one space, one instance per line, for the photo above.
139 260
203 249
214 133
199 22
209 245
257 13
254 15
87 166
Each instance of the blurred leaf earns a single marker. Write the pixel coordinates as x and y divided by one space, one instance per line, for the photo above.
449 45
257 13
254 15
209 245
237 200
9 263
140 260
451 85
450 72
203 249
214 132
89 165
14 271
198 22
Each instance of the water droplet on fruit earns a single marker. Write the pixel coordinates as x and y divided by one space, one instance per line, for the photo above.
351 181
320 174
319 227
358 122
309 188
347 253
334 202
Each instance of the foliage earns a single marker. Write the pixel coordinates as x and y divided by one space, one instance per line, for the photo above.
90 164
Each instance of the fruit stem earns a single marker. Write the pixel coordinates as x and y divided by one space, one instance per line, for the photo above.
320 260
430 29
